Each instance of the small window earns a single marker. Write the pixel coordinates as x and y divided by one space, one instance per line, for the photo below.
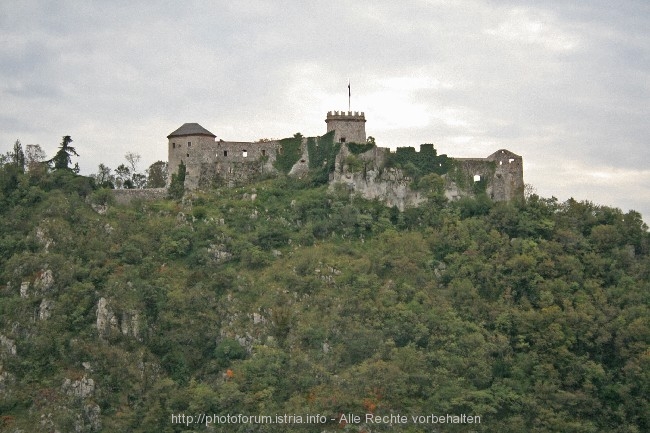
189 144
511 160
173 145
280 150
477 178
263 152
188 155
244 153
225 153
342 139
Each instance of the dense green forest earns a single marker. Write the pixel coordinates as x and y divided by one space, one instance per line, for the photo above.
284 297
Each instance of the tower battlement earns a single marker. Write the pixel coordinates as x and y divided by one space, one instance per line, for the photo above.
358 116
348 126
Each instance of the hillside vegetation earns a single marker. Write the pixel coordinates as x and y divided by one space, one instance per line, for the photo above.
286 298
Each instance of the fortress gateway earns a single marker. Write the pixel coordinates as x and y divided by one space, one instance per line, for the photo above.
368 170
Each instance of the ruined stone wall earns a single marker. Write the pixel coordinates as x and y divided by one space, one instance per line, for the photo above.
350 125
500 176
232 163
209 162
126 196
508 182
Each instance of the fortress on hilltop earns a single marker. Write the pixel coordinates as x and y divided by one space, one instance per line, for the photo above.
344 155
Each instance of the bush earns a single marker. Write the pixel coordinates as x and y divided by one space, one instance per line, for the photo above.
227 351
103 197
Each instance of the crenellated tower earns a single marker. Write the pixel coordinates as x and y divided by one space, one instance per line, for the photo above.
348 127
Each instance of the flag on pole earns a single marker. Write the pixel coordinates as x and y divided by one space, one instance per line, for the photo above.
349 94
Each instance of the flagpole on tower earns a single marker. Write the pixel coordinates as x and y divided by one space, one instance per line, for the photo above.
349 94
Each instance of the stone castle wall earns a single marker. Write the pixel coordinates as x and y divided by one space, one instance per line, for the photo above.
212 162
225 162
126 196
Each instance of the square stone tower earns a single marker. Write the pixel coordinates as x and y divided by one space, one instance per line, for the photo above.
348 127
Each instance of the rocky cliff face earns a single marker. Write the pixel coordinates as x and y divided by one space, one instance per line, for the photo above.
372 180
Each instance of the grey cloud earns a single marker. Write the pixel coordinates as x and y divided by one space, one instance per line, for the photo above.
542 78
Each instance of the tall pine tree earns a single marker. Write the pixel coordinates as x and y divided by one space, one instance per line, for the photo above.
63 157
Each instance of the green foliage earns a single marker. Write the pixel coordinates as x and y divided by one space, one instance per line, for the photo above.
177 185
359 148
63 156
157 175
227 351
418 164
289 153
18 156
354 164
533 314
322 155
102 197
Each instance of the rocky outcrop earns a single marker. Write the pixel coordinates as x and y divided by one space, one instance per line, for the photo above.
24 289
43 238
45 309
130 324
43 283
109 322
219 253
106 319
7 346
372 181
81 388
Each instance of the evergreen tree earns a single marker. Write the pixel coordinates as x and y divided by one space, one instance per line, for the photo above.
177 186
63 157
18 156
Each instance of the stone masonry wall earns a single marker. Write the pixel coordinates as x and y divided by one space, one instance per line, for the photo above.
126 196
210 162
350 125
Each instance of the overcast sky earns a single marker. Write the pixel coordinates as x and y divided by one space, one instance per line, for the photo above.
564 84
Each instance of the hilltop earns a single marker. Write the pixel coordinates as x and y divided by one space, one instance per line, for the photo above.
288 297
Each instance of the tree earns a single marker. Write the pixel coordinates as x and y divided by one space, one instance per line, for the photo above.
177 185
138 180
18 156
157 175
133 159
34 156
63 157
123 177
104 178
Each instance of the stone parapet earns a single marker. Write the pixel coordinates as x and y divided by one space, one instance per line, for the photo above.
350 116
